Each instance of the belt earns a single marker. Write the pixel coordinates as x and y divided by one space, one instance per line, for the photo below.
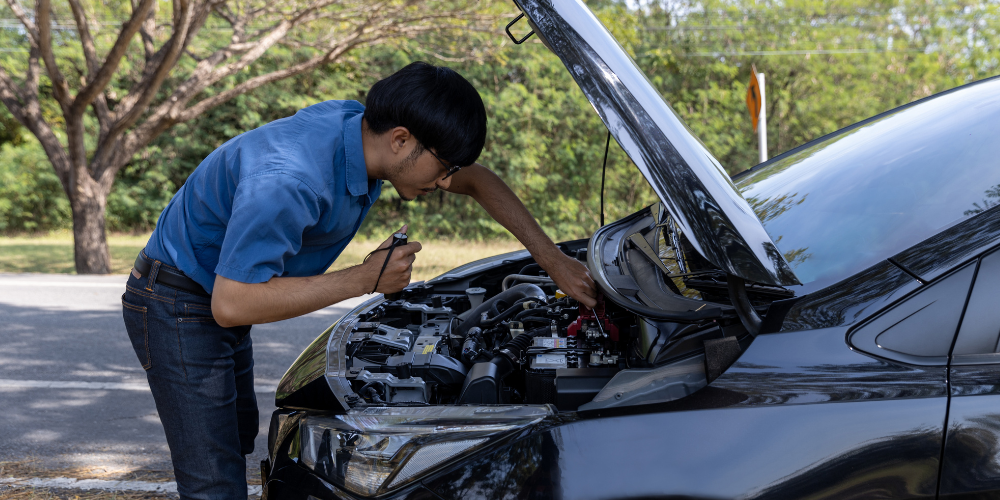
169 277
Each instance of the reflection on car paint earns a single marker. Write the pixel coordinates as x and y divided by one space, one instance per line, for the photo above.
843 202
851 300
943 251
816 367
888 449
972 450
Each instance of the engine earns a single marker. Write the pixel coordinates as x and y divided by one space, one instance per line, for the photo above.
527 344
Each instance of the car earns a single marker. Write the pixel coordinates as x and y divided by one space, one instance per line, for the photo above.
822 325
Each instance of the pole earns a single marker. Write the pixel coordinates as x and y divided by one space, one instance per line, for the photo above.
762 122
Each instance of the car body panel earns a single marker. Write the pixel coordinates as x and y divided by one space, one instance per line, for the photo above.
850 300
971 466
799 415
867 192
959 243
687 178
972 447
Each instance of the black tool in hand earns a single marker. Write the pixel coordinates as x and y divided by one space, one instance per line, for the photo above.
398 239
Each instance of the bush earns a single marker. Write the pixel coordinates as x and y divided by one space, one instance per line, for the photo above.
31 197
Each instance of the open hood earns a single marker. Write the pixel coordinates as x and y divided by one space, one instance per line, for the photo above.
689 181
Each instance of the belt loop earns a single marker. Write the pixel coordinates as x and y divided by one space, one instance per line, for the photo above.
153 271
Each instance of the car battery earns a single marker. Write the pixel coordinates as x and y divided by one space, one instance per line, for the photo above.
539 378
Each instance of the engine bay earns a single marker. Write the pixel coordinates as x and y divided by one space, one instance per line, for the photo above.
509 336
524 345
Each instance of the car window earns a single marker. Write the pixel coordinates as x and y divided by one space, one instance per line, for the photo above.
980 330
920 329
847 201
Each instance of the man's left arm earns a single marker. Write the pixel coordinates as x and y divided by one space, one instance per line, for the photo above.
503 205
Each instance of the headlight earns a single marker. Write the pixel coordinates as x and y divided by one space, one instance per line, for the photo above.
372 451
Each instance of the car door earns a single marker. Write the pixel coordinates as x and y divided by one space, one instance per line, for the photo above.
971 466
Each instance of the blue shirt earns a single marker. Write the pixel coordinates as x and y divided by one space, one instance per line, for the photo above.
280 200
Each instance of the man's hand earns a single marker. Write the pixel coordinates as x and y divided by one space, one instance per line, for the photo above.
397 272
235 303
572 277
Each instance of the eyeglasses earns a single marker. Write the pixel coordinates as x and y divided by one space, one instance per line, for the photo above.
450 170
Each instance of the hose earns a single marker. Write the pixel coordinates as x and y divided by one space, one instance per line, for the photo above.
372 392
526 278
510 351
534 319
516 310
523 291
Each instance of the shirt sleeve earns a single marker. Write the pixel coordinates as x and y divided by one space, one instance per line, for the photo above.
270 214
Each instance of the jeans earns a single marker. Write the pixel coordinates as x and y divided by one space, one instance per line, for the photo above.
201 377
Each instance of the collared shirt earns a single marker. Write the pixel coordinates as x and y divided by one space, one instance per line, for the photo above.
280 200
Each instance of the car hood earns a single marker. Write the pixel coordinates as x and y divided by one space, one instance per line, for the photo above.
690 182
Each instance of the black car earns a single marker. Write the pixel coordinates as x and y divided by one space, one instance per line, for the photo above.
823 325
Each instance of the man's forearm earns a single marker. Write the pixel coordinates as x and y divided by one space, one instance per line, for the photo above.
493 194
235 303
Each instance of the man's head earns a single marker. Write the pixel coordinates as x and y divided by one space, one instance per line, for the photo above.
428 119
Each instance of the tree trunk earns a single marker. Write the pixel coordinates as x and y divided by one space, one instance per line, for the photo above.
90 243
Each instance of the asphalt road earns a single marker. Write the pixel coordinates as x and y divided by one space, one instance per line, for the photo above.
73 394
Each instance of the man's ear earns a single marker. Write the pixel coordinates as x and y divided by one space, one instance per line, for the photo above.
401 141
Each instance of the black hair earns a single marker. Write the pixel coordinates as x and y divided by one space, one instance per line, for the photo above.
436 104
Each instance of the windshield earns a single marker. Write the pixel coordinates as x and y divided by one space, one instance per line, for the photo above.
845 202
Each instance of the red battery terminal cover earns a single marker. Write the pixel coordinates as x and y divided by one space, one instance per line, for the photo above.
595 314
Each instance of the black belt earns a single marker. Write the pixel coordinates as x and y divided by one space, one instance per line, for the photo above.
169 277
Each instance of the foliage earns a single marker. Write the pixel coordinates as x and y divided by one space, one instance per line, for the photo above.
828 64
31 198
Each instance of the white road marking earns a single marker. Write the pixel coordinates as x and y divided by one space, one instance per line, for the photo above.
61 284
95 386
102 484
91 484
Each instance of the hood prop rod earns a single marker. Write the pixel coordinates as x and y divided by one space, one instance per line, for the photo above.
741 302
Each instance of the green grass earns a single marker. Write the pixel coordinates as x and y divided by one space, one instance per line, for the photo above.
53 253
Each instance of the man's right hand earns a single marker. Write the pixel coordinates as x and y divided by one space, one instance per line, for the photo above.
397 271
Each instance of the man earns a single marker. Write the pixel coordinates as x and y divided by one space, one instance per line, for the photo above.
248 238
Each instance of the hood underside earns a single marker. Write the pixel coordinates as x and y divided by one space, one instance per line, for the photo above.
690 182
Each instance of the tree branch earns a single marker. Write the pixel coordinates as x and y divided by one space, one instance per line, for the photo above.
22 16
12 97
60 89
27 111
86 40
147 32
371 25
131 107
255 82
100 80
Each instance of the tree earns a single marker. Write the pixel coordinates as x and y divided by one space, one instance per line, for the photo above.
95 98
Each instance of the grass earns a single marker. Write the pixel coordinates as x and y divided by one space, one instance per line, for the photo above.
53 253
